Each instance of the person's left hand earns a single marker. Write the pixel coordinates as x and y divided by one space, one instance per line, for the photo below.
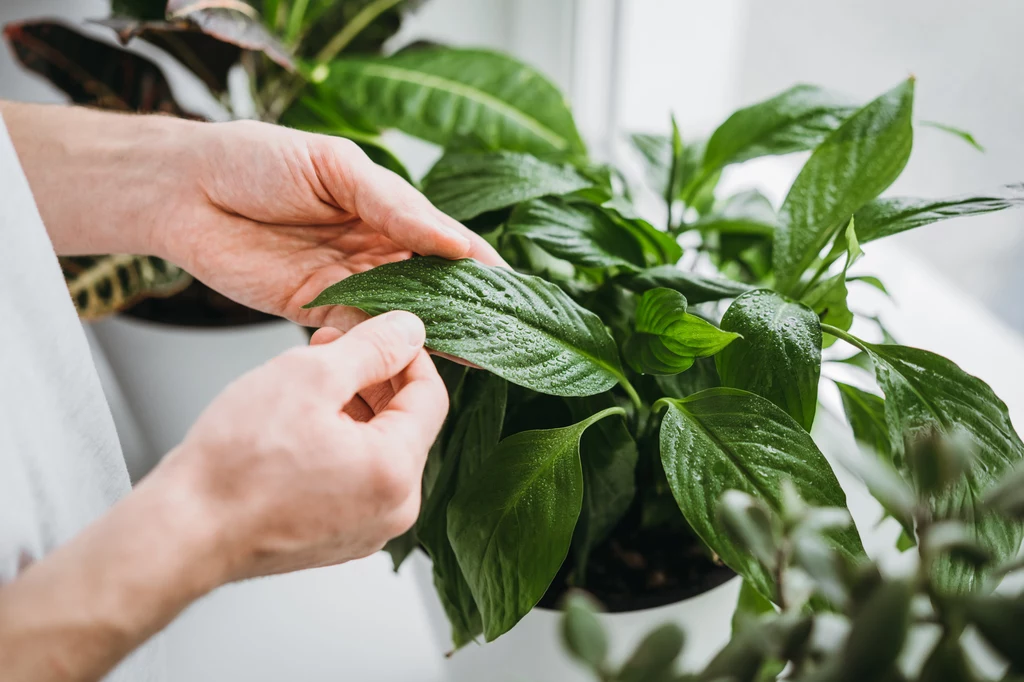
274 216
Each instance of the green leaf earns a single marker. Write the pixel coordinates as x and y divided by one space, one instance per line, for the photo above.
660 247
850 168
446 94
519 327
866 414
1007 496
792 121
779 356
696 288
888 216
925 392
582 632
609 456
401 547
472 437
879 630
750 606
748 212
464 185
667 339
655 656
1000 620
512 524
954 131
828 297
702 375
580 233
722 439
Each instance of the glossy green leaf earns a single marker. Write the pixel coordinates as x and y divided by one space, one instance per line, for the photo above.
850 168
956 539
888 216
582 632
667 339
609 455
696 288
401 547
925 392
750 605
473 435
702 375
446 94
519 327
580 233
748 212
512 524
1007 496
779 356
792 121
722 439
660 247
866 414
464 185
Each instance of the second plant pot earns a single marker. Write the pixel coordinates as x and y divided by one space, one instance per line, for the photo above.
532 651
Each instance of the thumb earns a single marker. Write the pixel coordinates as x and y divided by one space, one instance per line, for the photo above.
372 352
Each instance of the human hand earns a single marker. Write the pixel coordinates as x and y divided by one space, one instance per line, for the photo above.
275 216
287 479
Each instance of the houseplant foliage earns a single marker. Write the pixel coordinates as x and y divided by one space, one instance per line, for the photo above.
274 42
898 626
621 386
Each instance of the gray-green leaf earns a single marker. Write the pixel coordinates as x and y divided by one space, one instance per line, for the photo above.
850 168
444 95
512 525
520 327
924 392
466 184
722 439
792 121
779 356
580 233
667 339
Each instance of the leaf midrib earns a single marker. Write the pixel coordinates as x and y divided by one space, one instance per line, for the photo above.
483 98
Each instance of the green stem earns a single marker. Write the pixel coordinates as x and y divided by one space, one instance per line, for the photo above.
840 334
331 50
630 391
295 18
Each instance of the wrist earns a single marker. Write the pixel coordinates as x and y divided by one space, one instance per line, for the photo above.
103 182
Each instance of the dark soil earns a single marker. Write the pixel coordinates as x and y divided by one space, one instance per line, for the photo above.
636 570
197 306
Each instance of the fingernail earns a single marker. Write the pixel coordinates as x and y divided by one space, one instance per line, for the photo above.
410 326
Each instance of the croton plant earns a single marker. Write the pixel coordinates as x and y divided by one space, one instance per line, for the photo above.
619 385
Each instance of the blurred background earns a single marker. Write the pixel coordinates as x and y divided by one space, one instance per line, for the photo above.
625 65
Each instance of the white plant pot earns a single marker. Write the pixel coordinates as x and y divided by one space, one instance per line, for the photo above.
169 374
532 651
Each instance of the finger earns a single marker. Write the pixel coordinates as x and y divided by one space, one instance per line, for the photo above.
385 201
359 410
325 335
371 400
371 353
418 408
478 246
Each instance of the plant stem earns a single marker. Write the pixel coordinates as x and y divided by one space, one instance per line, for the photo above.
840 334
295 18
331 50
631 392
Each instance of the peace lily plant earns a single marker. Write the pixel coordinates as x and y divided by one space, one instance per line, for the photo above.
620 385
618 393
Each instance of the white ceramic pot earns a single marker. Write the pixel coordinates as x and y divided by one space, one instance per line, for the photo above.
532 650
168 374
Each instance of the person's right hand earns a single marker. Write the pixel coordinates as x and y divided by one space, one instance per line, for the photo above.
292 469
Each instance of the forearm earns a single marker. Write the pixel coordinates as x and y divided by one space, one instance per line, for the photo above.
103 182
76 613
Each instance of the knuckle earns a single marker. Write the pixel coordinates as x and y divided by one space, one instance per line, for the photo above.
391 483
404 517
